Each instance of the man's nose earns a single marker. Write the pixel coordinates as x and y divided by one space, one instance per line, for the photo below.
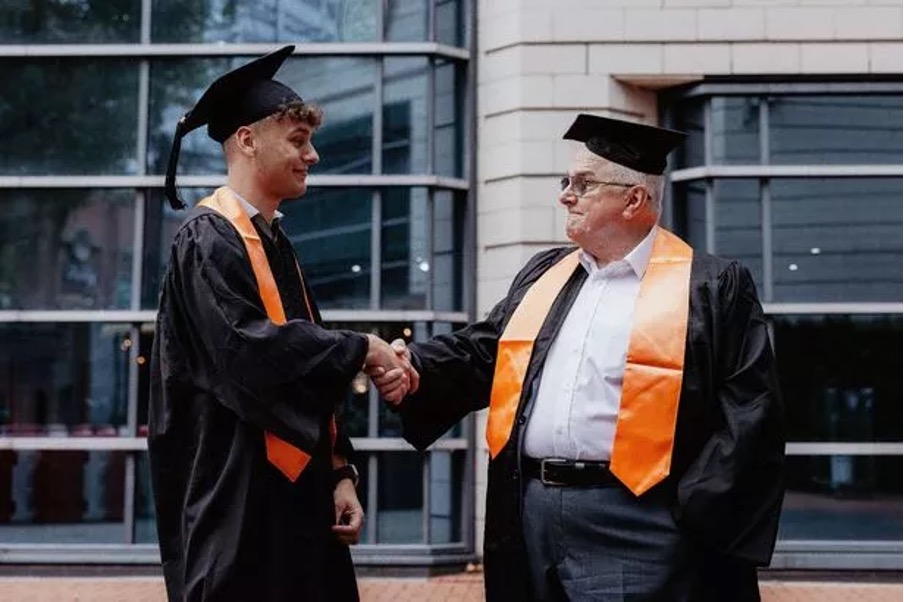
312 157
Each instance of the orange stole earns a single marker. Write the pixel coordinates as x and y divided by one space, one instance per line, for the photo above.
645 431
290 460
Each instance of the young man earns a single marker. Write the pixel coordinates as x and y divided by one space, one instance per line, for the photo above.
635 425
255 498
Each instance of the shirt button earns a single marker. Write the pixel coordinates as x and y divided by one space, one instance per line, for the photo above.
522 419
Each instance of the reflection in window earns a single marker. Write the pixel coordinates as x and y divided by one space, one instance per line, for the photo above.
295 21
406 265
450 22
842 498
448 234
66 249
400 498
738 219
87 125
62 497
690 119
447 474
330 229
405 20
161 222
63 379
67 22
690 212
735 129
405 115
448 147
839 376
837 239
855 130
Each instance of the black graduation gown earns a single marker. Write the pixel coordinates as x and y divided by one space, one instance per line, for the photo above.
230 525
726 478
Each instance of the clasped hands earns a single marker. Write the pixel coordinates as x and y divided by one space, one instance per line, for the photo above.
389 367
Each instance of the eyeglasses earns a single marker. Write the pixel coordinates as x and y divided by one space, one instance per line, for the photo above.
579 186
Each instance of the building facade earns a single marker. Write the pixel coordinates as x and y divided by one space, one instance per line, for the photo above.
441 154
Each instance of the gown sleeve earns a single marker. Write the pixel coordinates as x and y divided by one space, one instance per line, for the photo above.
276 377
457 369
731 495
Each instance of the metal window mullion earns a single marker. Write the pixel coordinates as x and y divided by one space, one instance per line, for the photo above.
757 170
431 20
431 247
431 115
708 132
766 229
373 474
380 16
710 217
427 497
376 250
211 180
128 500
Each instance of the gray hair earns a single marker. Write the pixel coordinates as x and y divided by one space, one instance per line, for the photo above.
652 182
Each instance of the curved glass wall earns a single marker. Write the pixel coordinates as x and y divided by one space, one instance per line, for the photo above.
85 235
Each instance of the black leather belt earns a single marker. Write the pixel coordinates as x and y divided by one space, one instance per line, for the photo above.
558 472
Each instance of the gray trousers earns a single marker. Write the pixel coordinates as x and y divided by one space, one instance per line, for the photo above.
602 543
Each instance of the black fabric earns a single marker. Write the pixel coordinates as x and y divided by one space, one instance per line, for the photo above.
640 147
726 481
230 525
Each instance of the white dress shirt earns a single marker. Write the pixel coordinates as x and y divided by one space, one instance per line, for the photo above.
255 216
576 405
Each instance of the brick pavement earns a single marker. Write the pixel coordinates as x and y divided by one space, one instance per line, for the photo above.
450 588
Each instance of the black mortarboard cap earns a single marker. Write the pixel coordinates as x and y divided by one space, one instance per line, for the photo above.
241 97
640 147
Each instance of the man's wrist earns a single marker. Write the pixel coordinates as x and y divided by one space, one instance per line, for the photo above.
348 471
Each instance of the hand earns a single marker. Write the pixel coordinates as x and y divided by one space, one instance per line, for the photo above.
390 371
349 513
404 354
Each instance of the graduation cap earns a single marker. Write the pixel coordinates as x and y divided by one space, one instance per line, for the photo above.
640 147
240 97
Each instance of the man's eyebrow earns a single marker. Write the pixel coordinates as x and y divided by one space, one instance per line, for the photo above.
583 172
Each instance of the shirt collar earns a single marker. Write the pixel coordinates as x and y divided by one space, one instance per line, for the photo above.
638 258
251 210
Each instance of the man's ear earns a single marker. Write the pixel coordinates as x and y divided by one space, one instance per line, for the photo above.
245 140
636 199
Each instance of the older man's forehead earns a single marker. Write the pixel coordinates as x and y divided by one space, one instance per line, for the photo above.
585 161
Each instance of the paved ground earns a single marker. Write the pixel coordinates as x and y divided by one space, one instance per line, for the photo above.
451 588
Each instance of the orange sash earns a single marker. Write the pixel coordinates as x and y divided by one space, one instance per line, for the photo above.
645 431
290 460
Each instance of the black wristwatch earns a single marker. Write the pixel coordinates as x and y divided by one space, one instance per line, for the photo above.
345 472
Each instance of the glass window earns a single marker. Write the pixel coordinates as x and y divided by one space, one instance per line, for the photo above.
400 498
448 146
161 222
405 273
405 20
735 129
739 233
64 379
405 122
69 116
448 234
145 513
690 212
689 118
298 21
837 239
62 497
835 129
66 249
67 22
839 376
331 232
447 473
450 22
842 498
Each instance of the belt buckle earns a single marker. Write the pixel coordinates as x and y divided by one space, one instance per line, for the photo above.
550 461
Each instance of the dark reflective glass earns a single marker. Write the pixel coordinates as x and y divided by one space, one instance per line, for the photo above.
67 22
400 498
689 118
342 87
690 212
837 239
62 497
296 21
739 233
66 249
449 102
65 116
450 22
448 241
405 21
405 124
839 376
842 498
64 379
735 129
835 129
447 474
331 232
161 222
405 273
145 514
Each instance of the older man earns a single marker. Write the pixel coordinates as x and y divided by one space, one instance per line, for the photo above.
635 425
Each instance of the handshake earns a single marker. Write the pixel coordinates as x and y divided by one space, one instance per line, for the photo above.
389 367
